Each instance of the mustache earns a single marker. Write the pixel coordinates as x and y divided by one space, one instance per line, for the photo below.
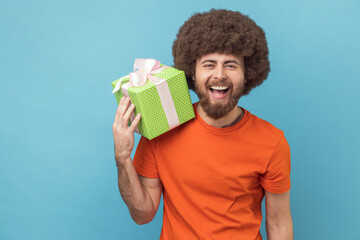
219 83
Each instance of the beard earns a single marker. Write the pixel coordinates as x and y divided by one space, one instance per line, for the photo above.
218 110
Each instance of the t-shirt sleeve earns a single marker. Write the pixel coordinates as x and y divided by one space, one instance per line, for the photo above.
145 160
276 178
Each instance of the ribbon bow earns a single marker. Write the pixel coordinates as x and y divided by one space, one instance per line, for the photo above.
143 71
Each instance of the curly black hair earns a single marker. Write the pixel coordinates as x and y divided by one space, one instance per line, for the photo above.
222 31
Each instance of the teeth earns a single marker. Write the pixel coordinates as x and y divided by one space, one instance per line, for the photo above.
219 87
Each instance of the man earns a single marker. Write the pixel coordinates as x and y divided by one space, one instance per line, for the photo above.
215 169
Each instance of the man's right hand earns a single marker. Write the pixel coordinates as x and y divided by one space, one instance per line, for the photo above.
122 132
141 194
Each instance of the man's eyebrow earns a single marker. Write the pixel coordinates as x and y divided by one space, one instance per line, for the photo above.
208 60
226 62
232 61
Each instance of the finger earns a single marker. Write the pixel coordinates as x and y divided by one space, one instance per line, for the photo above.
118 110
128 113
135 122
122 108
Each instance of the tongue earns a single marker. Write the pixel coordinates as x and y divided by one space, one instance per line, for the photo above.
218 93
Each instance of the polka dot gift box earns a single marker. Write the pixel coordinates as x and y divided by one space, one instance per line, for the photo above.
160 94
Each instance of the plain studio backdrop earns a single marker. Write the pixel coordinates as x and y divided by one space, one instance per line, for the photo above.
58 177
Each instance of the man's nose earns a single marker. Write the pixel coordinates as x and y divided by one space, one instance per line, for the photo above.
219 73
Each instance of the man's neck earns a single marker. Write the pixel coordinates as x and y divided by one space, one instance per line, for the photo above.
230 119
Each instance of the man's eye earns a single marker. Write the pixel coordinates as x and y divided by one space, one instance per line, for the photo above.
208 65
231 66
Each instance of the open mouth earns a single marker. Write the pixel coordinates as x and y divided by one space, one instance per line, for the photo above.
219 91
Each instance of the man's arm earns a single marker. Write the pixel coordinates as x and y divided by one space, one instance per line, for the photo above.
140 194
279 224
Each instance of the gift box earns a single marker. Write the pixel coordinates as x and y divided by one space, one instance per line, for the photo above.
160 94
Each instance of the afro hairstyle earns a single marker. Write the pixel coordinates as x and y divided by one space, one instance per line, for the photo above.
222 31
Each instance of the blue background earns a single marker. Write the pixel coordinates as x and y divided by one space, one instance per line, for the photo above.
57 58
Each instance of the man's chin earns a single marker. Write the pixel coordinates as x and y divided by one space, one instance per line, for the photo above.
216 110
219 102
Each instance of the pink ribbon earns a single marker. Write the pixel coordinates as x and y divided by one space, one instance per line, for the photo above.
143 71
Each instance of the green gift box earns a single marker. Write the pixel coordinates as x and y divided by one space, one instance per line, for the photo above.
163 100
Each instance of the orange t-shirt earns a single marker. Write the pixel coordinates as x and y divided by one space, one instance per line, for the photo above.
214 178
